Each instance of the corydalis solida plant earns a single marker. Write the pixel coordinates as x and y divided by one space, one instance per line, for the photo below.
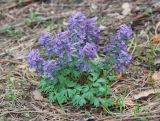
68 69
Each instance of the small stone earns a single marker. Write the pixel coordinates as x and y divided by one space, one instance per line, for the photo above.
37 95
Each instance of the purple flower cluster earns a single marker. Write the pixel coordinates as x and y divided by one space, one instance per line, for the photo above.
90 50
46 41
43 67
35 61
49 68
80 31
123 59
125 32
63 47
116 48
79 42
83 29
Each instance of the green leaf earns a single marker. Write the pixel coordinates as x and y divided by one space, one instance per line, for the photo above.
61 78
70 83
62 96
26 114
71 92
66 72
108 90
95 91
52 97
96 102
78 87
85 89
106 102
82 101
111 78
102 80
88 95
102 89
76 73
42 84
48 88
94 76
96 84
76 100
104 73
157 49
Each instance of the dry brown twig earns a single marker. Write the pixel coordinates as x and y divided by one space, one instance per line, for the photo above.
15 4
26 111
138 17
146 93
156 29
3 61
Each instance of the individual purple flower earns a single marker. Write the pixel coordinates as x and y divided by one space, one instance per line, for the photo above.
84 67
76 27
90 50
63 47
92 31
49 68
45 38
122 60
82 29
47 42
124 32
78 16
115 45
35 61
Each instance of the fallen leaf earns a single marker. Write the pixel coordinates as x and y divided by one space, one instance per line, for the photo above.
129 102
145 93
156 76
157 28
35 83
157 61
127 7
22 66
156 39
119 76
156 5
37 95
101 27
93 6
